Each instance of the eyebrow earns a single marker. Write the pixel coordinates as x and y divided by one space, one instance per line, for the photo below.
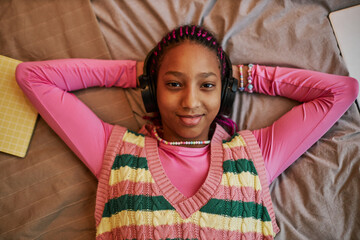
174 73
207 74
201 75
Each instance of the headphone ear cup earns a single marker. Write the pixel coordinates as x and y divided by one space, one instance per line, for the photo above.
228 95
229 88
148 93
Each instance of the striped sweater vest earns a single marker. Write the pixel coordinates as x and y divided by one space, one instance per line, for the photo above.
136 200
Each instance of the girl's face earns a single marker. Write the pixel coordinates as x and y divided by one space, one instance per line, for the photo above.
188 92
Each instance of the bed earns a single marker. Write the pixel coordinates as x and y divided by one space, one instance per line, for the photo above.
50 194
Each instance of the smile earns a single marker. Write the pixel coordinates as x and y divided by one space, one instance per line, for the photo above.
190 120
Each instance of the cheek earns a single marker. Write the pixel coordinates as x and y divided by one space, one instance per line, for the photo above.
166 101
213 103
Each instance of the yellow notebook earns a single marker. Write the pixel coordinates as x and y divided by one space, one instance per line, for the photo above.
17 115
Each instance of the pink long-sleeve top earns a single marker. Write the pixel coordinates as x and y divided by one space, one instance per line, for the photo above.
48 85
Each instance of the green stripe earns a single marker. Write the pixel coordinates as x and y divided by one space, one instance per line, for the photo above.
232 137
136 203
158 203
239 166
130 161
236 209
135 133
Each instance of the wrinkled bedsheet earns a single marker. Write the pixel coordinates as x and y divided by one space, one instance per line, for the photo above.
50 194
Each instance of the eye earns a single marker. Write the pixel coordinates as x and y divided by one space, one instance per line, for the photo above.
173 84
208 85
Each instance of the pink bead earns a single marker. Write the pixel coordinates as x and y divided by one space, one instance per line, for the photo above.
193 30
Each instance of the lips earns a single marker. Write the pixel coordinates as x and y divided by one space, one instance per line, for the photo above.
190 120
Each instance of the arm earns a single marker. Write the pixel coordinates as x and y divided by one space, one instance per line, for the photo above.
324 99
47 84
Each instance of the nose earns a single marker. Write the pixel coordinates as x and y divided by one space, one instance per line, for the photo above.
191 98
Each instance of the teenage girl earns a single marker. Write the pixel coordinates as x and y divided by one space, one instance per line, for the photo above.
192 176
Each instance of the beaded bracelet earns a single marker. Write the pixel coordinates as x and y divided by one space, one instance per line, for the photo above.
241 88
250 86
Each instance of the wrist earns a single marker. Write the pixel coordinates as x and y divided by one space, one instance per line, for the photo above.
243 73
249 84
236 74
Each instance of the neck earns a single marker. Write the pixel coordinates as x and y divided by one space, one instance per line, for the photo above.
184 143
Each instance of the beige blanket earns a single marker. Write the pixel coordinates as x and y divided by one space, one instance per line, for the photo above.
50 194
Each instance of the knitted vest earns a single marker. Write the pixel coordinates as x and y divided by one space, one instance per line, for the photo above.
136 200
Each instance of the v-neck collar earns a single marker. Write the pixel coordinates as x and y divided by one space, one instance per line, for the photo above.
183 205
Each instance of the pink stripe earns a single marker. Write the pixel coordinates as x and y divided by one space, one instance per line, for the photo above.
210 233
185 231
245 194
105 236
235 153
130 187
131 148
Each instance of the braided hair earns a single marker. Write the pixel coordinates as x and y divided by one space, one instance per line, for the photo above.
192 33
199 35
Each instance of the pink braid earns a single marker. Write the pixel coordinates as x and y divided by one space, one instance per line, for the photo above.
193 31
227 123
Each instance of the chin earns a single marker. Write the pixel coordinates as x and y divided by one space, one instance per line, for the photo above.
191 134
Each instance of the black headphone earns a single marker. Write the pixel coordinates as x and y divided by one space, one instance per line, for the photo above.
148 85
